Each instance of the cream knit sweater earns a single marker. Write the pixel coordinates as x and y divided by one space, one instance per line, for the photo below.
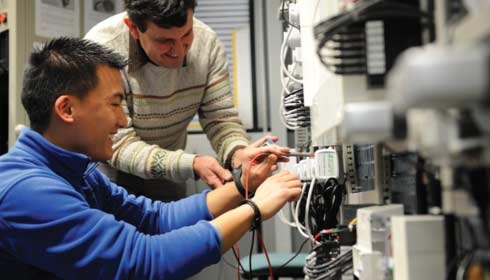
165 100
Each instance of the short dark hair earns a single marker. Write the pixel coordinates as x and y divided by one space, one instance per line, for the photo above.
163 13
62 66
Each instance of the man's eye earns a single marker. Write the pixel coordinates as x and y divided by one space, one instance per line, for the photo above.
165 42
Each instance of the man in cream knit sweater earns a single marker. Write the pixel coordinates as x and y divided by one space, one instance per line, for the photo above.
177 68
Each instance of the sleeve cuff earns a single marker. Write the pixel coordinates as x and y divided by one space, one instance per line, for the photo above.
218 233
186 169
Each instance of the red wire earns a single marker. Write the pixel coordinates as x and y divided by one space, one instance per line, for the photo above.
317 236
248 172
271 275
237 249
322 232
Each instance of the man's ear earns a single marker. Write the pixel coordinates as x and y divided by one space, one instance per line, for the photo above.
133 29
63 108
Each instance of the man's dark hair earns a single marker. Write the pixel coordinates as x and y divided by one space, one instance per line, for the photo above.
163 13
62 66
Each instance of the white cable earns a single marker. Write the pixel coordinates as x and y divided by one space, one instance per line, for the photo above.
285 85
299 226
296 213
292 208
282 54
288 73
283 79
283 118
290 120
283 218
307 207
463 265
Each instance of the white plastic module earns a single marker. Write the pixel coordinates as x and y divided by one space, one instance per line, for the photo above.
371 229
371 253
418 247
326 164
367 265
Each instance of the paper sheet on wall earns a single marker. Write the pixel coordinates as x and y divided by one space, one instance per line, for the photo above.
96 11
54 18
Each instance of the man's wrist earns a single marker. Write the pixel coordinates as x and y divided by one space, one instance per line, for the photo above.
257 218
194 173
237 179
230 162
235 160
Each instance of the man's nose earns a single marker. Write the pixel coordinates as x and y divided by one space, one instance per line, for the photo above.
177 49
122 120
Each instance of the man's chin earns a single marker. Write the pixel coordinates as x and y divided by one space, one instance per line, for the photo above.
172 63
103 158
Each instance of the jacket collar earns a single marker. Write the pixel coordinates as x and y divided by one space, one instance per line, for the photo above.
63 162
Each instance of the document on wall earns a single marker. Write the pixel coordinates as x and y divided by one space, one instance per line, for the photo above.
54 18
96 11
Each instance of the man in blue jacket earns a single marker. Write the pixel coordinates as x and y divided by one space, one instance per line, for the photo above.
61 218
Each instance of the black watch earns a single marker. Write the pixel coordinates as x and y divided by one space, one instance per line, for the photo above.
237 175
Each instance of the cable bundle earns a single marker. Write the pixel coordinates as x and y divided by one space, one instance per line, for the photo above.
293 111
324 206
341 45
323 263
317 208
345 52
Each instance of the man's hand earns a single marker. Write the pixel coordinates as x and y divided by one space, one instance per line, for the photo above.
245 155
233 222
210 171
278 189
258 171
258 161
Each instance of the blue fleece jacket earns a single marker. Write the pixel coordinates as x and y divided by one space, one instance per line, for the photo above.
61 217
